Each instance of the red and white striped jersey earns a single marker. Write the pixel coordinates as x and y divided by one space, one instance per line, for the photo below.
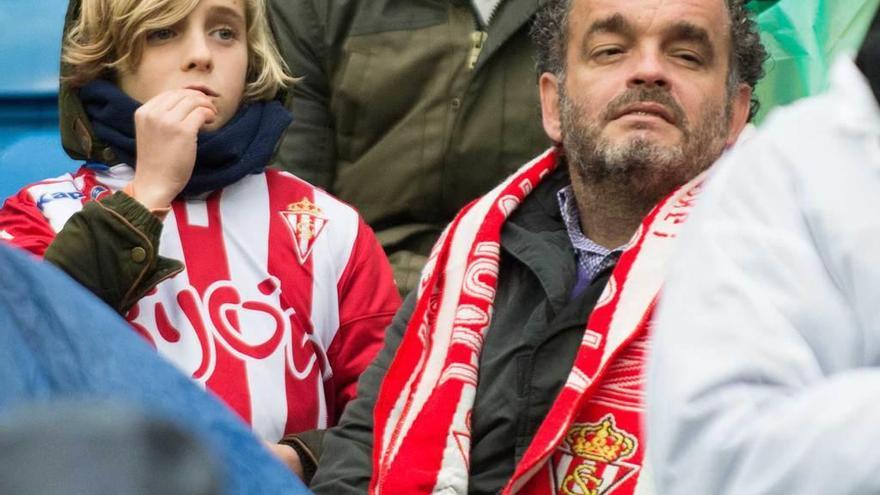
283 302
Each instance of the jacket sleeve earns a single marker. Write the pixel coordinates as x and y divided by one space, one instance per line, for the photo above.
759 380
368 300
110 246
345 462
308 148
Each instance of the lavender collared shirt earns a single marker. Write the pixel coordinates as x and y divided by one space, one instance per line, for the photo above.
590 257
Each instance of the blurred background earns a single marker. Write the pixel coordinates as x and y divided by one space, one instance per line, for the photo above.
30 43
802 36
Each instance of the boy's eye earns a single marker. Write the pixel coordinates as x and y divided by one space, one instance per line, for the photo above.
159 35
225 33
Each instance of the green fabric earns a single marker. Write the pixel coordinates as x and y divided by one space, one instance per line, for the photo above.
307 445
406 111
110 248
803 37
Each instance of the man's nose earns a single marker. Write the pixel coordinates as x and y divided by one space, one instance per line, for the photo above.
198 53
649 71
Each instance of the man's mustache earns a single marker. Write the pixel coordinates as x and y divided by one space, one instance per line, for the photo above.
644 95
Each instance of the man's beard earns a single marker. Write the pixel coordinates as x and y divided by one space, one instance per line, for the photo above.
641 164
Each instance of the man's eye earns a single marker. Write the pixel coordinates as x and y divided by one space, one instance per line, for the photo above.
604 54
158 35
689 57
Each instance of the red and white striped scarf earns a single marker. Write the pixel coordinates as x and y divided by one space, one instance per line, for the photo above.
422 414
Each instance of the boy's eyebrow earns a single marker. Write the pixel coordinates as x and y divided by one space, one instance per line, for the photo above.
226 13
689 32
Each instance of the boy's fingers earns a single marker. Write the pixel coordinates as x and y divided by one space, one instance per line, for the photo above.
192 94
168 101
185 106
198 117
164 101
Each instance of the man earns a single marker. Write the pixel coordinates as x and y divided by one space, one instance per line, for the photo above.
516 367
408 110
765 377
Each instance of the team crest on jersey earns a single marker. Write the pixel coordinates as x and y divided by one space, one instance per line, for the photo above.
306 221
593 458
99 192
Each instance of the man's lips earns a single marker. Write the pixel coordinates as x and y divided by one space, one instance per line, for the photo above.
647 108
204 89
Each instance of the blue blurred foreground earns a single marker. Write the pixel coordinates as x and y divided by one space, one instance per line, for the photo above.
59 343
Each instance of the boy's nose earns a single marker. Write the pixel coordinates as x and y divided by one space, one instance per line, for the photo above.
199 56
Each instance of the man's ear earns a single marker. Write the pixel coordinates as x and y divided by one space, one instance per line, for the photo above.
741 105
548 87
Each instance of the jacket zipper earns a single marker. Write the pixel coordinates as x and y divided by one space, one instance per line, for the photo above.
478 39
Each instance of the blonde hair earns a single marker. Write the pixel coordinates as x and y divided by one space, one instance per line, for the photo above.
109 36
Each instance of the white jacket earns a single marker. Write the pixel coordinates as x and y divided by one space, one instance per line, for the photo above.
764 377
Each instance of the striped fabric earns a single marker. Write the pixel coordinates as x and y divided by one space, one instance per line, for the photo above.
421 420
283 302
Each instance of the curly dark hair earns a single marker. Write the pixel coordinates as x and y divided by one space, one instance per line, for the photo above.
549 33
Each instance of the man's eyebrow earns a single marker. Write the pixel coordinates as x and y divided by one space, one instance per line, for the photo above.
226 13
686 31
614 24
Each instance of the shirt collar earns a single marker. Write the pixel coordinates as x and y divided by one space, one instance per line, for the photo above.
571 217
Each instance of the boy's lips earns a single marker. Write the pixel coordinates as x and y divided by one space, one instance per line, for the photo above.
204 89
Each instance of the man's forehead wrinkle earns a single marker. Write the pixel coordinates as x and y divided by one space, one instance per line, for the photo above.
652 12
649 16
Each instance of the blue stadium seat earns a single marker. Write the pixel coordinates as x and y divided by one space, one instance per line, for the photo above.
30 43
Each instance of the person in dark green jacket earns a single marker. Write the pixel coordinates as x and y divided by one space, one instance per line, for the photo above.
408 109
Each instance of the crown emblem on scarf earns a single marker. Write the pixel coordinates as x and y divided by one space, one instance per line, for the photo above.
601 442
306 221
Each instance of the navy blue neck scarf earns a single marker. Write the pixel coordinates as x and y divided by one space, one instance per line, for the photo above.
243 146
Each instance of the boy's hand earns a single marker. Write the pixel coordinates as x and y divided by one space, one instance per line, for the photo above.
166 130
287 455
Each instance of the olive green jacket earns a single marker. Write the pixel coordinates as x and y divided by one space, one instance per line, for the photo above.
111 248
407 109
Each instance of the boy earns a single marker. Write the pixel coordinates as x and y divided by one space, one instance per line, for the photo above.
281 293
